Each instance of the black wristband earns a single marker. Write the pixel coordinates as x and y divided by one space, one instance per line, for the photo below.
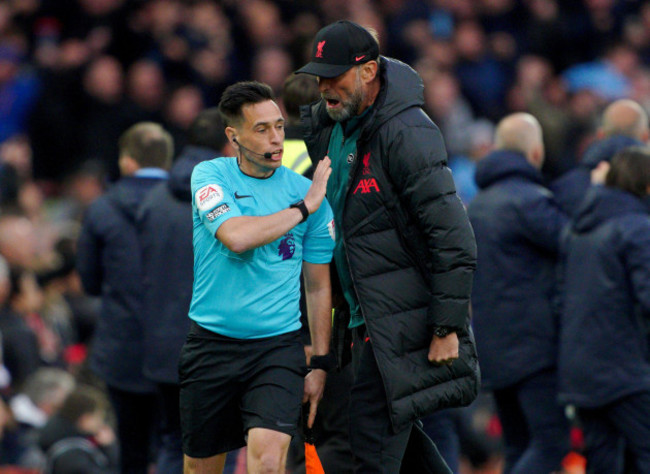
303 209
325 362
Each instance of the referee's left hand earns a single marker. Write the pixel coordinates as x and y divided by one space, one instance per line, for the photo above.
314 387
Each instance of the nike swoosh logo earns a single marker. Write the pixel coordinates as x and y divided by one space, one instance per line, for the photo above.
241 196
359 58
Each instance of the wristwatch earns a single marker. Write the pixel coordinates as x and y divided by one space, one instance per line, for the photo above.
325 362
303 209
442 331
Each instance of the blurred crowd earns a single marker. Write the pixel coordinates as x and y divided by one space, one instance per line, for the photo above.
75 74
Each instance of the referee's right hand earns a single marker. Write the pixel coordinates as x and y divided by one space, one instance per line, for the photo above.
318 187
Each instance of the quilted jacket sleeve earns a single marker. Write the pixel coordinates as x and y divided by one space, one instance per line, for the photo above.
417 164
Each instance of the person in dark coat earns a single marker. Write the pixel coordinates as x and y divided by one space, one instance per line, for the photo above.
405 252
77 440
624 124
165 230
109 264
19 347
604 369
518 226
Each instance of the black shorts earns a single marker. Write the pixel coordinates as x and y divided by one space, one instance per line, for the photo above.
231 385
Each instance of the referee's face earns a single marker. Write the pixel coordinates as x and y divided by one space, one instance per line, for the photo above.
261 131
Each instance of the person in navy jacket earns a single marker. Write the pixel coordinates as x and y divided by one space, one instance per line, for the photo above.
624 124
604 364
518 225
109 263
165 228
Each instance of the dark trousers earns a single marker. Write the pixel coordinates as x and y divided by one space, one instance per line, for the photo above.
614 430
535 429
170 453
137 420
376 447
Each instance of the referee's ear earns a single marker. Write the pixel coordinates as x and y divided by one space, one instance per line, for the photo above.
231 133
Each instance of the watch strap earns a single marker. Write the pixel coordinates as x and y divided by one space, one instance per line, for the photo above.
325 362
303 209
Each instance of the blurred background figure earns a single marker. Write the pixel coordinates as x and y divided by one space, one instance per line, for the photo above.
517 225
624 123
603 355
40 397
110 265
297 90
78 438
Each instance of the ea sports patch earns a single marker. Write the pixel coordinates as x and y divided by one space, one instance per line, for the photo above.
218 211
208 196
332 231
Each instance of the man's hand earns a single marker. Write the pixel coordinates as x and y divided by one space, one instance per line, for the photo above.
443 350
316 192
599 173
314 387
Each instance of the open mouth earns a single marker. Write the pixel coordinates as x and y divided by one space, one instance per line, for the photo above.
332 102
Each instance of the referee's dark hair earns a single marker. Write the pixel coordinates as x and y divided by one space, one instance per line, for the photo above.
207 130
240 94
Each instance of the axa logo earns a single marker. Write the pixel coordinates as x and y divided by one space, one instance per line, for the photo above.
367 186
319 49
366 163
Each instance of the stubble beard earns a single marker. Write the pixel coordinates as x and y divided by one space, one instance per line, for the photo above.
350 107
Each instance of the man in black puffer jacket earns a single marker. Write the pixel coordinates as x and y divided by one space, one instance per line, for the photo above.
165 229
405 251
110 266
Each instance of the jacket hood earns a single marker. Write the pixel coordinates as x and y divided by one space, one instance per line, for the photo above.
56 429
605 149
502 164
180 175
602 204
129 192
401 89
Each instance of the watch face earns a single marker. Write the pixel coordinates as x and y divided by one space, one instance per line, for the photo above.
441 332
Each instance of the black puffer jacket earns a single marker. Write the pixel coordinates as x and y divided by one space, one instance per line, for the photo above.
409 244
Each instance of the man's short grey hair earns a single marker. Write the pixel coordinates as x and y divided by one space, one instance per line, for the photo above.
45 385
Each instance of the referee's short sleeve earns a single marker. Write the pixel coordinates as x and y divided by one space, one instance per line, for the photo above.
212 197
318 243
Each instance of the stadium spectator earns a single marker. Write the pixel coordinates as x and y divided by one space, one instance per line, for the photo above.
517 225
624 123
109 263
603 364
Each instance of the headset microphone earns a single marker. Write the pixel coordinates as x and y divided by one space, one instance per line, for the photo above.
266 156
